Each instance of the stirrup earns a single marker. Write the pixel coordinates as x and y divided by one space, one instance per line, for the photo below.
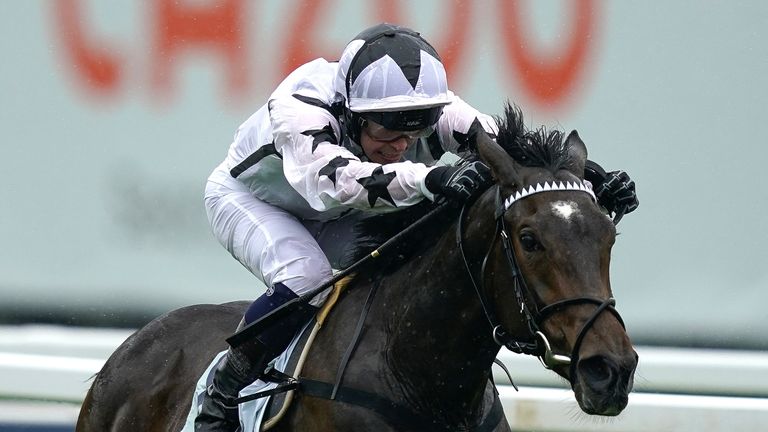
275 376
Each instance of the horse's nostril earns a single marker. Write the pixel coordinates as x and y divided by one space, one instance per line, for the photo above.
597 372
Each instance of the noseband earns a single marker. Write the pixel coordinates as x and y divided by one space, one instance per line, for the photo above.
537 344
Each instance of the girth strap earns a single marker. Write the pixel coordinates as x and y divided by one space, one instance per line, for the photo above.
401 417
355 338
284 382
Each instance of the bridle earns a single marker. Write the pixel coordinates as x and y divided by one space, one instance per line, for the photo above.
537 345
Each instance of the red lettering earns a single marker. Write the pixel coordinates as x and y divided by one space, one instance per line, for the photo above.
451 44
388 11
300 35
548 81
217 25
95 65
179 27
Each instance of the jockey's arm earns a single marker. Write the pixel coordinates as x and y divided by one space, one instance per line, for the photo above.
328 175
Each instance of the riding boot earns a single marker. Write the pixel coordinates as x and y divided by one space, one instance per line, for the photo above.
245 363
236 369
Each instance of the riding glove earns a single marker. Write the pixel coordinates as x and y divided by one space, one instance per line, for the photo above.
458 183
614 190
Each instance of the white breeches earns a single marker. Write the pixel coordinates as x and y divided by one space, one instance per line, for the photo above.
270 242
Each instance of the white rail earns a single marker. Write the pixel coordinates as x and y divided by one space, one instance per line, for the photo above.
676 389
666 370
555 410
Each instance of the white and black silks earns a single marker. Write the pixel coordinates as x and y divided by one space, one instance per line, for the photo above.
292 170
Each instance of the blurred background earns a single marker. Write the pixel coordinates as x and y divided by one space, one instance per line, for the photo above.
113 114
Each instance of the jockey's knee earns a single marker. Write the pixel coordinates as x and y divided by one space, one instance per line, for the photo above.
276 296
277 336
314 274
304 273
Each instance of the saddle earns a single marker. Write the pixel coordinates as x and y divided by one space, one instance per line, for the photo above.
287 380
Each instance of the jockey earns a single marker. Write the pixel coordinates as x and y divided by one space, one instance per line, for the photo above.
364 134
336 139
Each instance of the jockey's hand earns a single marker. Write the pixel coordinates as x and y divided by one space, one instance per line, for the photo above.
458 183
614 190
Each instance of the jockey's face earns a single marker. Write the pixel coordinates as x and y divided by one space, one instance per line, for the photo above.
384 146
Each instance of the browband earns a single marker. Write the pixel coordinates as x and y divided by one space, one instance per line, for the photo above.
583 186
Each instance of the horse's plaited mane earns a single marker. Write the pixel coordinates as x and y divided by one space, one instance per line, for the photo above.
533 148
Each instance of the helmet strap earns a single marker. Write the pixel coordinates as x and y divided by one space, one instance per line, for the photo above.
351 130
354 125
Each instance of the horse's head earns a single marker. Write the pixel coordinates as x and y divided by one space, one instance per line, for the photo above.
553 233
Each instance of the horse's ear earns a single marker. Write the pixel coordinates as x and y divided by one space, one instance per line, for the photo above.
503 167
577 153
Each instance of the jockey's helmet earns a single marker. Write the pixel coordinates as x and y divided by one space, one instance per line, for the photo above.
391 76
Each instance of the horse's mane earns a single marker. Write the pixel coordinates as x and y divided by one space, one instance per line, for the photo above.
371 231
534 148
539 147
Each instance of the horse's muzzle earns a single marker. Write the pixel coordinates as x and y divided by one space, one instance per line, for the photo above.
603 383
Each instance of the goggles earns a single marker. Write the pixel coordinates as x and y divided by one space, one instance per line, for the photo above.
408 120
380 133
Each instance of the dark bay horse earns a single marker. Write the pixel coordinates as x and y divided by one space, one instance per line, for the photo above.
525 266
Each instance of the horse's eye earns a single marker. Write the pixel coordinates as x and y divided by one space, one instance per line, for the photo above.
529 242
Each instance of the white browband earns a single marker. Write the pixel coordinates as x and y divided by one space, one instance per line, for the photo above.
583 186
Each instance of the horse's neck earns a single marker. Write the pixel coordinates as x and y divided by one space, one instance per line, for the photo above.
439 347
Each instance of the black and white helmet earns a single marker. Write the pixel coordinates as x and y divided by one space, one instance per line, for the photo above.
390 75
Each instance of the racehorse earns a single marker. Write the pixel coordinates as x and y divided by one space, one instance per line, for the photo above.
525 266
